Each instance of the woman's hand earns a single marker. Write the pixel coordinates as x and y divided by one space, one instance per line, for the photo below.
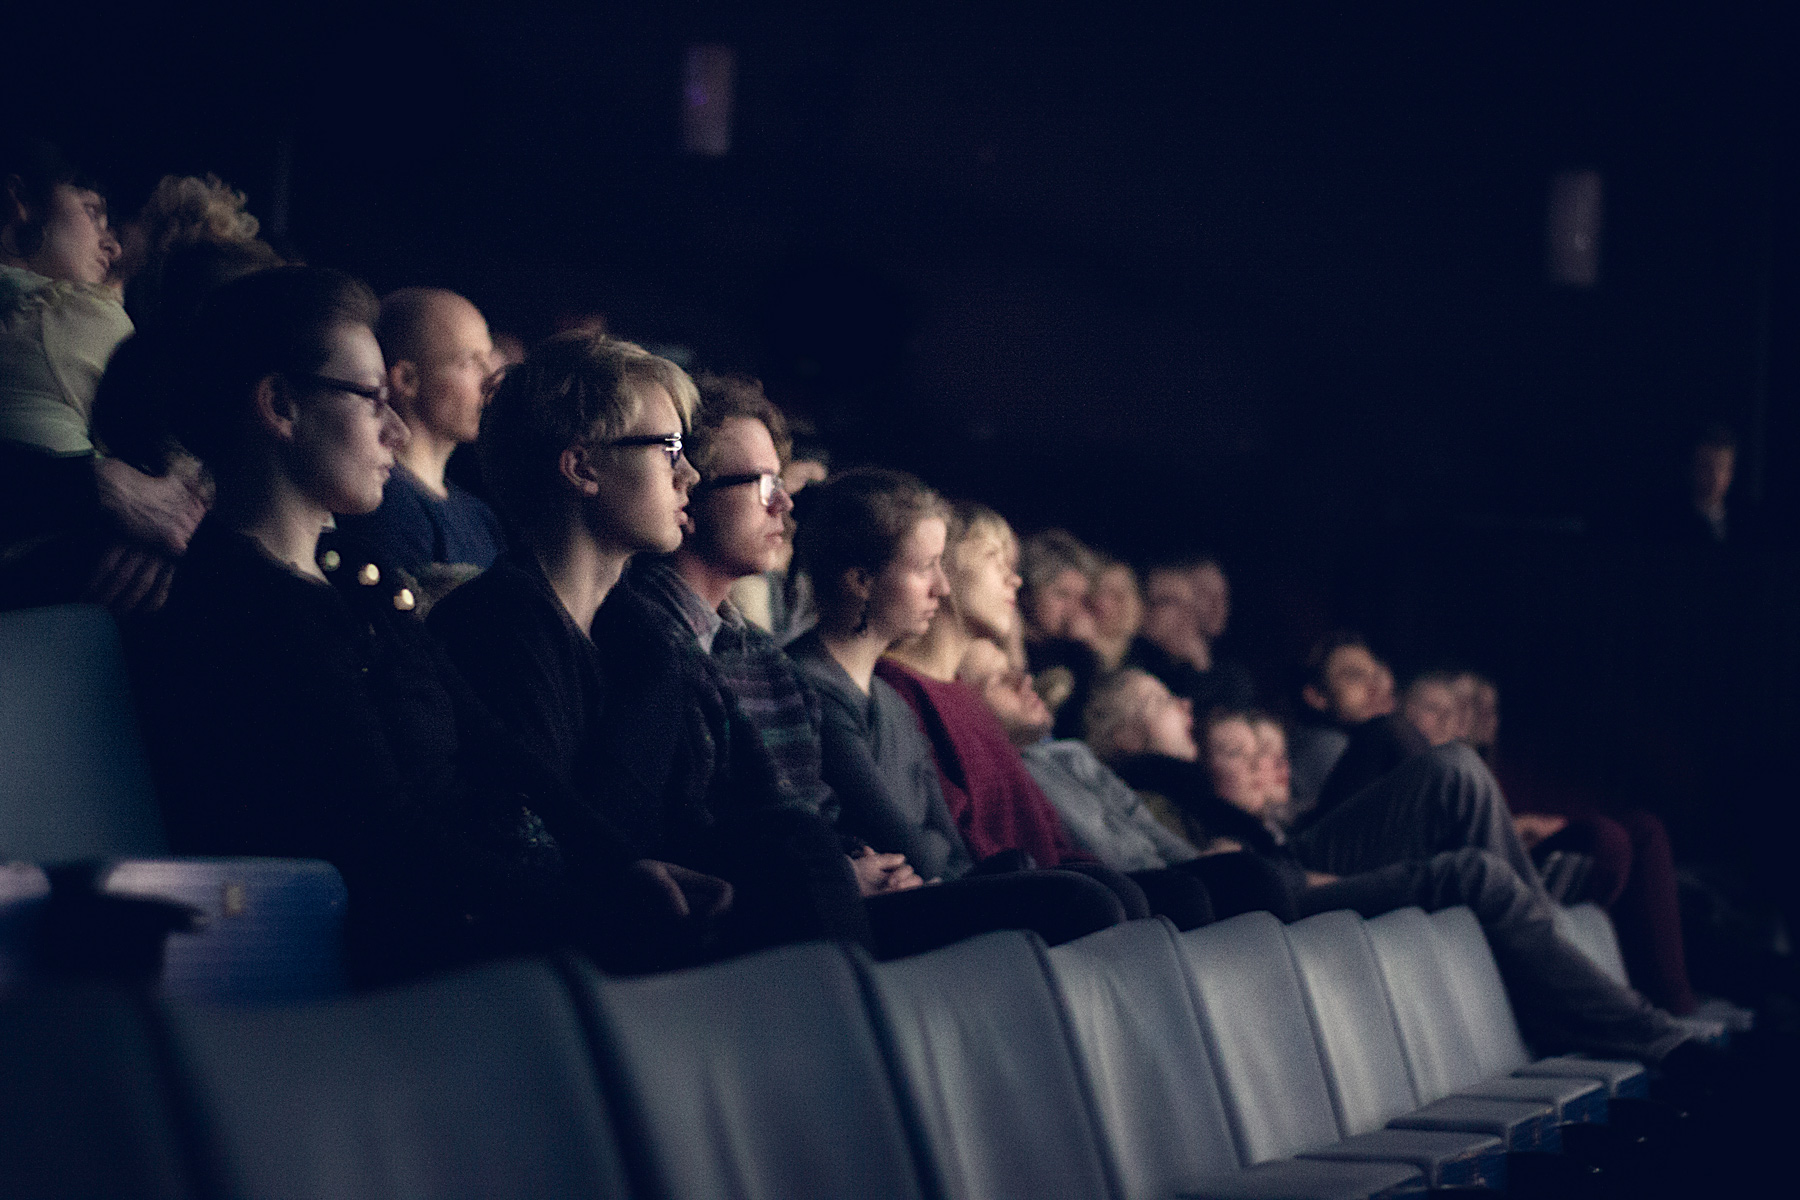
1536 827
878 873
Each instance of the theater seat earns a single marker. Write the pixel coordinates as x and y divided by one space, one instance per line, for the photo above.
479 1083
1259 1034
1141 1047
75 789
1440 1051
761 1077
24 895
85 1111
1480 994
982 1043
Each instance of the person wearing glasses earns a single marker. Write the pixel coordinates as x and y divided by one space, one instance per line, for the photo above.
583 445
294 705
440 366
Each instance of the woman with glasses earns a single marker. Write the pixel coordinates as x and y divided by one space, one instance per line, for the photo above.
582 445
296 707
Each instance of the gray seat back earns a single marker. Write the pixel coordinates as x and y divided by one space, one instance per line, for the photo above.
1358 1040
1480 993
84 1103
984 1045
1260 1037
762 1077
481 1083
74 782
1440 1050
1141 1047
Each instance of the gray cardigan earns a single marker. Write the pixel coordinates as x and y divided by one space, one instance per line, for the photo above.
880 765
1100 811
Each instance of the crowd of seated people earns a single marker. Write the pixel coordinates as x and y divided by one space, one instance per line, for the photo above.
542 717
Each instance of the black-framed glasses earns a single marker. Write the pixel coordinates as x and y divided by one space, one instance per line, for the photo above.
670 443
377 394
767 484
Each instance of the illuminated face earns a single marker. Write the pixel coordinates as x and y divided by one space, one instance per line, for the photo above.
641 501
986 584
1059 608
905 594
1358 686
1434 709
1114 602
1274 771
1212 600
1167 720
456 363
735 533
76 244
1714 469
1007 691
342 448
1232 761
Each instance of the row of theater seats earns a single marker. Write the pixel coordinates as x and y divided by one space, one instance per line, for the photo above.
87 886
1331 1058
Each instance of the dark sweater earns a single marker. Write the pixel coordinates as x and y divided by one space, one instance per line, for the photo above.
415 529
1376 747
1188 786
879 764
292 718
997 805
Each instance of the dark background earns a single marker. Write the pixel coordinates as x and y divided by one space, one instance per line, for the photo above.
1267 282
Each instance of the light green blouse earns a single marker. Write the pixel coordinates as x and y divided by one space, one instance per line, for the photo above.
55 340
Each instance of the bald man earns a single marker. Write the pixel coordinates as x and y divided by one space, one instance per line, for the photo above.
440 360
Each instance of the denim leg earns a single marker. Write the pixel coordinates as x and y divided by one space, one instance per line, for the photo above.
1444 799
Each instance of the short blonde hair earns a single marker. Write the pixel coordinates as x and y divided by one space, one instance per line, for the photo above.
186 210
572 389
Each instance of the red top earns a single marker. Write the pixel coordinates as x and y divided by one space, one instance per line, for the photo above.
996 803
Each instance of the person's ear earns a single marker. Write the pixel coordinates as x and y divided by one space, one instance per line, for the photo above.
277 410
859 583
577 466
403 382
1315 699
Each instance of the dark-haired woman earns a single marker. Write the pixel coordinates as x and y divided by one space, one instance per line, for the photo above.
295 706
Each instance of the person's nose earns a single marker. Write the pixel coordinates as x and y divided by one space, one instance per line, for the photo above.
940 582
394 433
782 503
685 475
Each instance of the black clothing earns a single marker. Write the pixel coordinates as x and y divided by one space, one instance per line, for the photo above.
638 724
293 718
1081 663
1376 747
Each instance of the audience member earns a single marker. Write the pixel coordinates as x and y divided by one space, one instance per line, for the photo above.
1350 691
293 706
74 522
1057 632
440 364
183 213
1564 1001
996 802
738 519
582 445
1116 606
1187 606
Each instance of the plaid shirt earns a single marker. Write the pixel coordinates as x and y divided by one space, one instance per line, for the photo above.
754 672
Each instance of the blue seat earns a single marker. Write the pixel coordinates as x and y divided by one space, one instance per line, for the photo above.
1141 1046
480 1083
1259 1032
760 1077
75 788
